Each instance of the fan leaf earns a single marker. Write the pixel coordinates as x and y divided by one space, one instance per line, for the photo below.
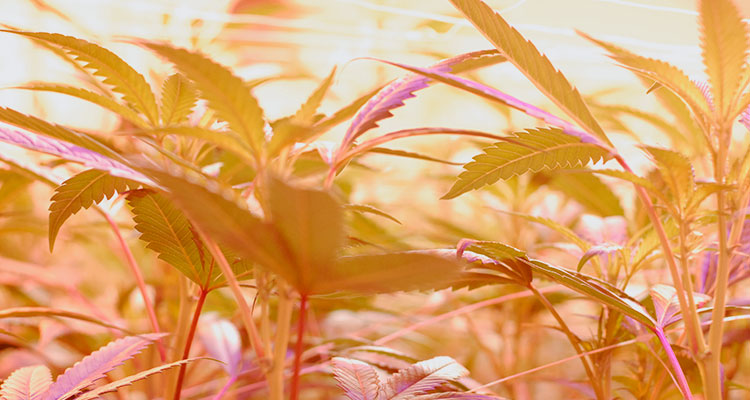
725 48
81 191
178 97
661 72
107 65
96 393
588 190
169 233
364 208
94 366
394 94
676 171
95 98
228 95
533 150
27 383
422 377
534 65
357 379
226 140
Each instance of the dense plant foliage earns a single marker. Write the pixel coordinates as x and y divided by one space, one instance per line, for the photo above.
266 250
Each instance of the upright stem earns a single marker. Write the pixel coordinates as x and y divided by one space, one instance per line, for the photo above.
716 332
136 271
695 334
586 361
699 346
298 346
189 341
283 322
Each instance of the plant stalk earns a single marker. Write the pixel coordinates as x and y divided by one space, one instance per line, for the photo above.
299 347
283 323
189 342
680 375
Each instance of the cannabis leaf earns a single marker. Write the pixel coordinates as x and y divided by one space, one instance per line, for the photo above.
537 67
422 377
169 233
107 65
358 379
94 366
178 97
532 150
81 191
27 383
225 93
676 171
725 47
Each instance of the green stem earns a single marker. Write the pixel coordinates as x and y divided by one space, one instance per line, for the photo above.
298 347
716 331
136 271
585 360
189 342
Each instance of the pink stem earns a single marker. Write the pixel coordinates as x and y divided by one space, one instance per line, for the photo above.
680 375
299 347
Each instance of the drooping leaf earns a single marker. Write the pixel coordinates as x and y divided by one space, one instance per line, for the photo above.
94 366
535 150
27 383
598 250
54 135
662 72
28 312
388 273
311 222
676 171
357 379
169 233
725 48
502 98
589 191
96 393
178 97
219 212
107 65
422 377
394 94
534 65
589 286
226 94
95 98
364 208
82 191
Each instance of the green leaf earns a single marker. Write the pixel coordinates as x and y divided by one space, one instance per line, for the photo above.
178 97
304 116
534 65
725 47
388 273
98 99
228 95
409 154
533 150
167 231
589 191
594 288
81 191
676 171
107 65
627 176
221 214
662 72
311 222
226 140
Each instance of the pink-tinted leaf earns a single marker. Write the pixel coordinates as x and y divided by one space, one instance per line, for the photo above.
70 152
745 118
666 305
222 341
422 378
394 95
598 250
94 366
27 383
498 96
357 379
